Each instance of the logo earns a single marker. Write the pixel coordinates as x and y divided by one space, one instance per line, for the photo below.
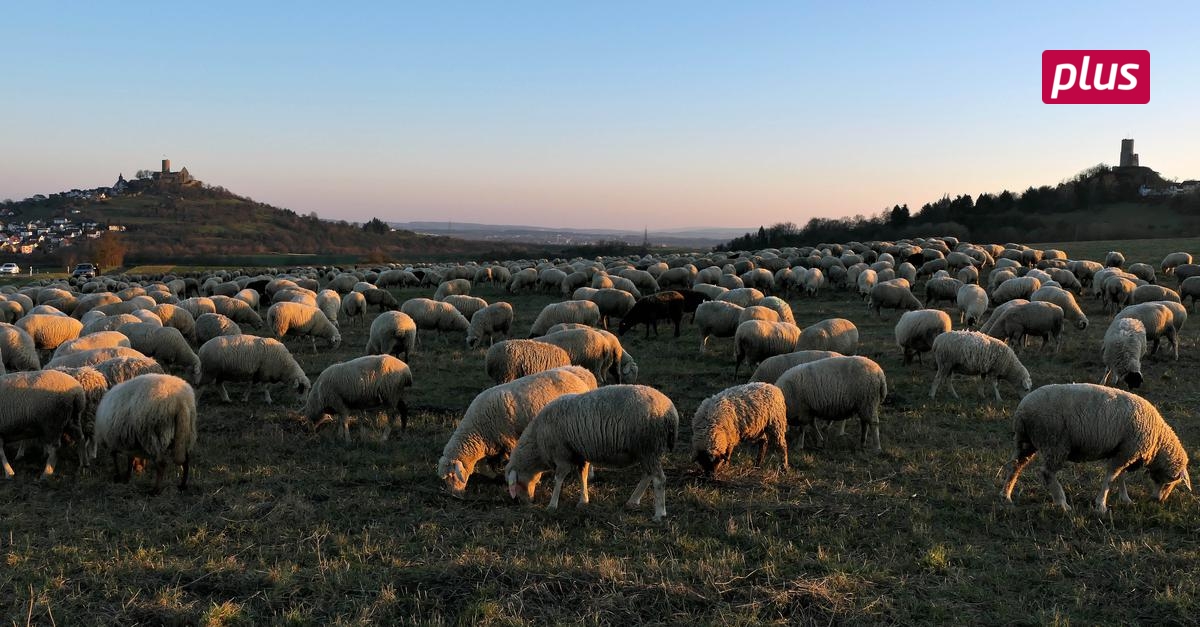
1096 76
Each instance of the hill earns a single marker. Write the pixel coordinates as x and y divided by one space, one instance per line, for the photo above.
685 237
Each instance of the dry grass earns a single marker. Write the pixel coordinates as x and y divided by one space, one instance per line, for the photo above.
287 526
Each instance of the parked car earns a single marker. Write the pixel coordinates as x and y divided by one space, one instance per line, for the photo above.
84 271
10 268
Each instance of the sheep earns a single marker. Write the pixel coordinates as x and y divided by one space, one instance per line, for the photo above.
525 279
297 319
100 322
490 321
755 312
581 311
330 303
642 280
1143 271
772 367
717 318
164 344
866 280
177 317
209 326
382 299
650 309
598 351
941 289
466 305
834 389
103 339
153 417
242 313
369 382
41 406
17 349
916 331
1158 319
756 340
354 305
972 302
1124 345
10 310
711 291
754 412
392 333
1081 422
95 385
612 303
121 369
834 334
893 294
261 360
495 419
1151 293
814 280
91 357
512 359
1034 318
49 331
1114 259
973 353
454 286
742 296
1190 288
254 299
1019 287
1174 260
776 304
434 315
1065 301
613 426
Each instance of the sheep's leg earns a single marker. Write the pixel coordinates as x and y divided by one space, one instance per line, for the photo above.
1050 478
184 471
996 389
703 343
937 380
1124 491
583 483
635 499
842 430
1107 373
559 475
314 343
224 392
8 471
266 394
20 451
660 492
1020 460
1114 473
950 384
160 469
51 459
117 475
403 411
762 451
345 427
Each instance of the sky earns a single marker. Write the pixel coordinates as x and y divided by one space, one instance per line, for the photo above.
602 114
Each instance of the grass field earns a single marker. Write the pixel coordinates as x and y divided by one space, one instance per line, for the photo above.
287 526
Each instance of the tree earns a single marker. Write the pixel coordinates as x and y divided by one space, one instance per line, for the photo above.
377 226
899 216
144 174
109 250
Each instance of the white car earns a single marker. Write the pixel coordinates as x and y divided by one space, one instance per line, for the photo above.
10 268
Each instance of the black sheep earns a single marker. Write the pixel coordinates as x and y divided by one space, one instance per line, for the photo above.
650 309
692 300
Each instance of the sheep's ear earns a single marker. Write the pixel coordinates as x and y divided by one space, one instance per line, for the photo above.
1187 480
460 473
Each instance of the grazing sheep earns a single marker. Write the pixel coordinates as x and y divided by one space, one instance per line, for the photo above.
103 323
754 312
754 412
466 305
1081 422
756 340
972 302
370 382
650 309
1012 289
893 294
1040 319
94 385
772 368
1190 288
17 350
1124 345
1065 300
330 303
49 331
496 418
834 334
153 417
512 359
598 351
867 279
209 326
494 319
302 320
941 289
834 389
164 344
1174 260
354 305
581 311
916 331
616 426
972 353
381 299
1159 321
242 313
774 303
1151 293
525 279
1143 271
177 317
612 303
103 339
260 360
91 357
433 315
1114 259
121 369
392 333
452 287
41 406
742 296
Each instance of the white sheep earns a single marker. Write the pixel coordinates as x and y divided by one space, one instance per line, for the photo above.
94 385
496 418
753 413
612 303
973 353
1081 422
580 311
392 333
598 351
103 339
17 350
370 382
165 344
1065 300
91 357
717 318
433 315
916 331
209 326
756 340
177 317
487 323
1040 319
833 334
303 320
834 389
454 286
354 305
512 359
121 369
742 296
330 303
242 313
48 331
260 360
1174 260
972 302
892 294
41 405
1124 346
1014 288
466 305
1159 320
772 367
616 426
153 417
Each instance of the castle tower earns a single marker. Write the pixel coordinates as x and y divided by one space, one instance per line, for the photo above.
166 163
1128 157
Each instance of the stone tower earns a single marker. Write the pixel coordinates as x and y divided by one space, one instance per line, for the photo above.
1129 158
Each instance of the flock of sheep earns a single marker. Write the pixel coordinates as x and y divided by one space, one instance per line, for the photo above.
105 364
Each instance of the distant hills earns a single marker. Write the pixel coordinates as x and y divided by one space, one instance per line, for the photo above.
696 237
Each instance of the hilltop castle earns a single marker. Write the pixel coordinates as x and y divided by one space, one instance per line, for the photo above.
163 180
1129 158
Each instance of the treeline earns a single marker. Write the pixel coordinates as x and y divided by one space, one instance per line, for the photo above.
1063 212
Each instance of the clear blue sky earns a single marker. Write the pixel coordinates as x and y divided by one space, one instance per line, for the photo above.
581 114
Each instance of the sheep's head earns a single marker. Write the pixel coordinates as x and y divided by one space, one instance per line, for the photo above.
472 341
303 385
336 340
454 474
521 485
1133 380
1167 484
629 371
710 462
625 325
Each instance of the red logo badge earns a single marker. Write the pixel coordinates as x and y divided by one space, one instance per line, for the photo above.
1096 76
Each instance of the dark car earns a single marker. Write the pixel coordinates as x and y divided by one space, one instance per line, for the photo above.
84 271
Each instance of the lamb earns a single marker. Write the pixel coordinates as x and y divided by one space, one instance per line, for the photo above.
754 412
392 333
834 334
756 340
17 350
1124 345
165 344
616 426
581 311
354 305
834 389
261 360
1158 319
103 339
1035 318
297 319
1085 422
1065 300
452 287
434 315
209 326
121 369
893 294
41 406
152 416
650 309
612 303
487 323
1174 260
973 353
512 359
917 330
49 331
466 305
496 418
370 382
598 351
1151 293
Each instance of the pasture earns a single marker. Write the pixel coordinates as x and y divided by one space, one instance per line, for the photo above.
287 525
